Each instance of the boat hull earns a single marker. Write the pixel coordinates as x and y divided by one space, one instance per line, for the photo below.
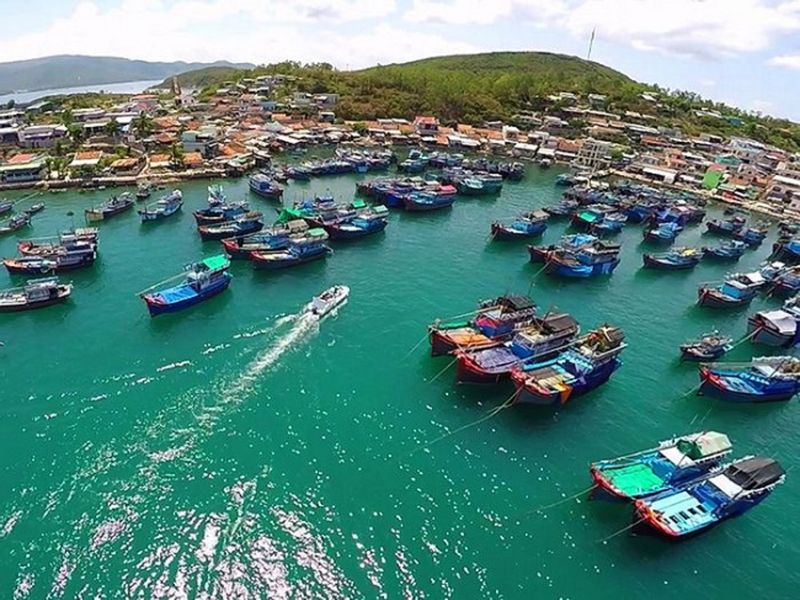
220 286
600 375
60 297
711 386
652 262
274 265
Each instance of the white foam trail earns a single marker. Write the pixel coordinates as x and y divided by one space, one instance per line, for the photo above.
175 365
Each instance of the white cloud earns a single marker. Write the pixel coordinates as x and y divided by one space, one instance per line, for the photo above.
790 61
482 12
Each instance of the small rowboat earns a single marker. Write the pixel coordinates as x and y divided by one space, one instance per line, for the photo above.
710 346
15 223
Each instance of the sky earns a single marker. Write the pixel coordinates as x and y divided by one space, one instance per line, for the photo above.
742 52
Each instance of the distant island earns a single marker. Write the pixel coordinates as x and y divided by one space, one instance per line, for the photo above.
68 71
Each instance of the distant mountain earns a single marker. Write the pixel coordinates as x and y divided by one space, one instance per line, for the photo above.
72 71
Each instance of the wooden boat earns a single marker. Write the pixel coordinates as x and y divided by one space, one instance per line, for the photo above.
565 208
787 250
115 206
671 463
720 494
163 208
6 206
276 237
765 379
144 190
586 218
732 293
675 259
726 227
363 224
221 213
242 225
294 254
599 258
526 225
15 223
471 186
710 346
665 232
495 321
539 254
37 293
35 208
777 328
610 224
262 185
584 367
544 337
202 280
63 259
427 201
752 236
216 195
732 250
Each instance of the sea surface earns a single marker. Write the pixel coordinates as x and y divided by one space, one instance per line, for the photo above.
128 87
236 450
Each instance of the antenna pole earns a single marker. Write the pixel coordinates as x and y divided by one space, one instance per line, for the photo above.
591 44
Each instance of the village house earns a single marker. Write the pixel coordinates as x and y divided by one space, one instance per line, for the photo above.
23 168
126 166
204 140
41 136
426 125
85 162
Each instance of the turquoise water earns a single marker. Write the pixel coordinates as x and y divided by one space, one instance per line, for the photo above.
237 451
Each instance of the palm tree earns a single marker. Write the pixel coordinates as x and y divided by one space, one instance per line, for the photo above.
111 128
143 124
176 155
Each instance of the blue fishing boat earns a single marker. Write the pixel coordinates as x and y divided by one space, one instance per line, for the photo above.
564 208
163 208
364 223
786 283
312 248
242 225
471 186
112 207
202 281
539 254
495 321
720 494
492 183
732 250
787 250
752 236
610 224
777 328
585 218
664 233
673 260
599 258
526 225
765 379
727 227
542 338
673 462
710 346
220 213
275 237
427 201
641 211
262 185
732 293
584 367
298 173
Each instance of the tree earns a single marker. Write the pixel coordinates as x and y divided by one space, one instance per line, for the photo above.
77 133
66 117
10 104
143 125
111 128
176 155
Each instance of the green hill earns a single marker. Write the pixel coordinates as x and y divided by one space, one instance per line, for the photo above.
465 87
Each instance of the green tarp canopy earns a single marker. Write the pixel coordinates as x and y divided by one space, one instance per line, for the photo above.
220 261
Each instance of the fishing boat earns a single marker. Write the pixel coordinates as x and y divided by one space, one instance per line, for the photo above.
778 328
709 346
6 206
427 201
471 186
276 237
641 210
732 250
542 338
785 283
610 224
163 208
672 463
673 260
216 195
61 259
144 190
328 301
731 293
241 225
752 236
526 225
726 227
599 258
80 239
586 218
588 364
539 254
298 173
262 185
544 163
15 223
495 321
296 253
720 494
363 224
37 293
220 213
664 233
35 208
114 206
201 281
564 208
765 379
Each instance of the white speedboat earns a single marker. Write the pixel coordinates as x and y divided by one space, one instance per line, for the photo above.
328 300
